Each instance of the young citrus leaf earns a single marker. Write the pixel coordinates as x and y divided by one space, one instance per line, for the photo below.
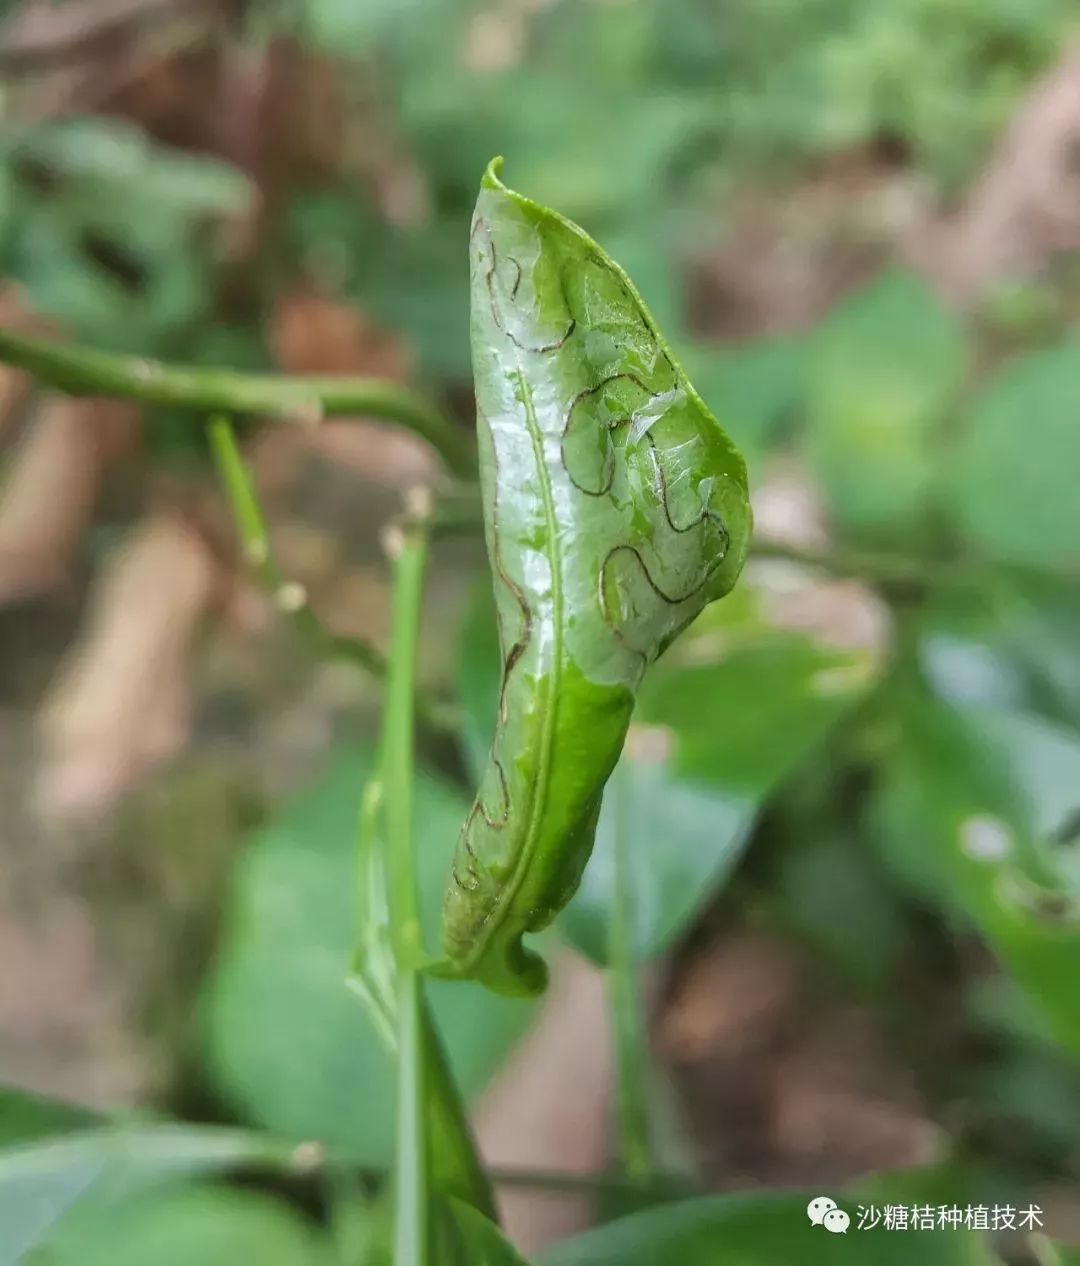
615 509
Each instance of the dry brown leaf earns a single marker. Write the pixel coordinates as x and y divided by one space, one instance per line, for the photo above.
785 1084
61 1020
48 498
120 704
312 334
1026 204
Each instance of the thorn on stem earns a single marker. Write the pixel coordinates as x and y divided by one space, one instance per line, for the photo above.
419 502
307 413
392 539
291 597
257 553
308 1157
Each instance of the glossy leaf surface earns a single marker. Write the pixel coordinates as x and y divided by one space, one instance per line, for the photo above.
615 509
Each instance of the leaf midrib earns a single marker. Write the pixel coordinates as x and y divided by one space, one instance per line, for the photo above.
551 680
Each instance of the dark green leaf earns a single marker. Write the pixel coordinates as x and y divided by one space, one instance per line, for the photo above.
24 1117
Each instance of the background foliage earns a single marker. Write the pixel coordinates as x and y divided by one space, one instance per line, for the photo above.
869 755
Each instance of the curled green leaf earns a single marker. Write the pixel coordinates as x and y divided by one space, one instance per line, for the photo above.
615 509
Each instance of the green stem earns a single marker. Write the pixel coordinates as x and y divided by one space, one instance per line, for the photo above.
435 1149
251 525
408 547
412 1204
389 907
412 1208
632 1073
86 372
877 568
890 570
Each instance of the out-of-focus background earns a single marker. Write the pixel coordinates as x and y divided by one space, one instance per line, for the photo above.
858 221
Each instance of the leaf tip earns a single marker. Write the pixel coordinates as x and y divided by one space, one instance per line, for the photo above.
491 175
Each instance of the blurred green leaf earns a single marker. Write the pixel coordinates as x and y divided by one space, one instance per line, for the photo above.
113 242
190 1226
771 1229
285 1038
1012 469
710 743
348 29
111 156
879 375
832 895
41 1182
709 746
964 811
1030 1092
1051 1254
24 1117
1014 646
418 282
750 390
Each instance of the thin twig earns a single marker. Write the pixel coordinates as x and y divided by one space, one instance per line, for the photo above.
288 596
891 570
661 1186
86 372
408 548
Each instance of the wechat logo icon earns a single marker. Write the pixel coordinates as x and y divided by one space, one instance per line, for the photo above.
823 1211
